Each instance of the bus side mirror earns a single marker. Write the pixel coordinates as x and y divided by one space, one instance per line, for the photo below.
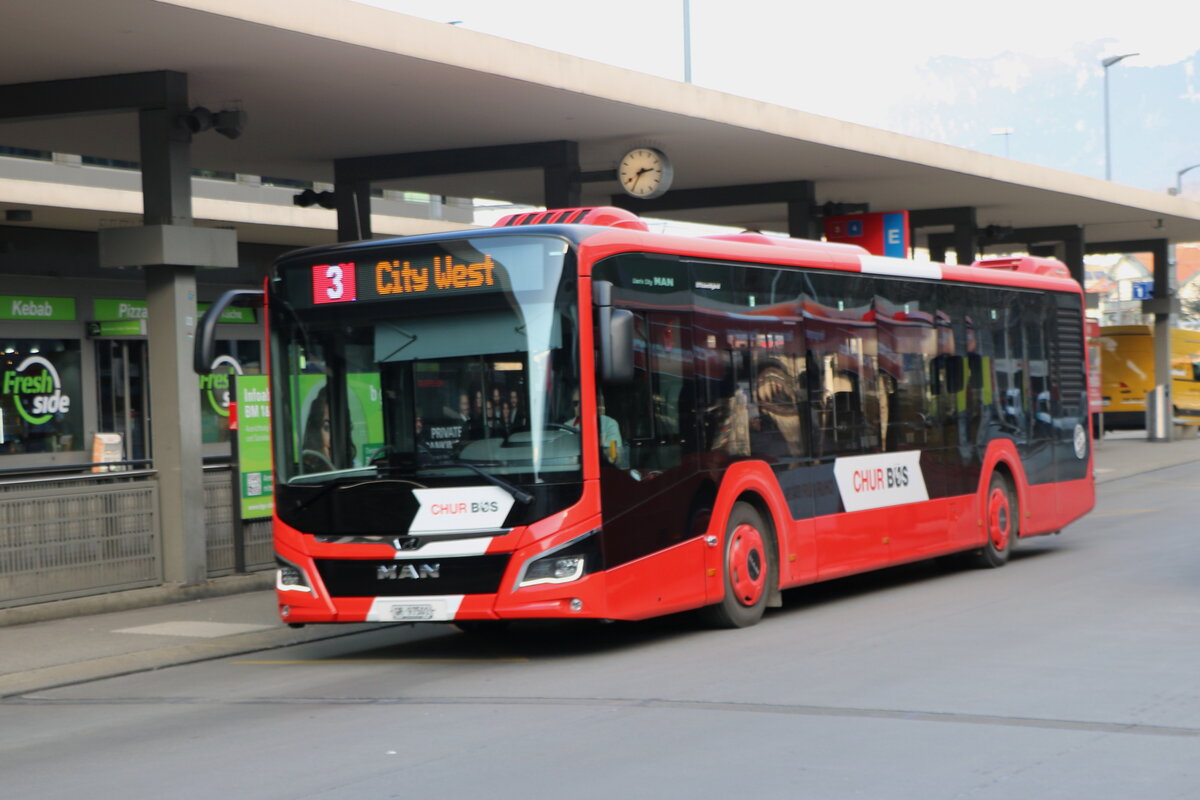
614 336
205 350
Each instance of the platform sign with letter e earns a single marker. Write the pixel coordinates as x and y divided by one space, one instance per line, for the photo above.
883 234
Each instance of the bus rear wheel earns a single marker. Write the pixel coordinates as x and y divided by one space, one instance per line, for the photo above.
1001 522
748 569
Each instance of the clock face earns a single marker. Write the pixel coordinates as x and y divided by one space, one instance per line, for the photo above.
645 173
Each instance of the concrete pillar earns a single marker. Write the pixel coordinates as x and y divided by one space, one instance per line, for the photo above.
352 199
171 305
965 244
1162 308
803 216
560 179
1073 248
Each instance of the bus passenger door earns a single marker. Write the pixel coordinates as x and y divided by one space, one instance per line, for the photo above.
648 482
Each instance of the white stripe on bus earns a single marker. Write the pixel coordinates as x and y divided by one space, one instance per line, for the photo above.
882 265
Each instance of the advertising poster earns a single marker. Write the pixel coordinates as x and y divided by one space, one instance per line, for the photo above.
254 445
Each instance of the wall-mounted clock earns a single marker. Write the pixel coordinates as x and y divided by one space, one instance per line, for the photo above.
645 173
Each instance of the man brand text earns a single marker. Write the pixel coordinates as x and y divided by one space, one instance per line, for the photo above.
401 572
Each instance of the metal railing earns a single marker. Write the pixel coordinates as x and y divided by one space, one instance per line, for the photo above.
66 532
73 535
221 532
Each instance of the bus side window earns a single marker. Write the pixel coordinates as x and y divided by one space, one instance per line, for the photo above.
908 376
670 349
653 417
629 405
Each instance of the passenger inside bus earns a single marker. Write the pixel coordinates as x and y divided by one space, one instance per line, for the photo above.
317 455
611 444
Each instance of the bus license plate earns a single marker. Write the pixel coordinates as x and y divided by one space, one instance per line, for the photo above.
414 612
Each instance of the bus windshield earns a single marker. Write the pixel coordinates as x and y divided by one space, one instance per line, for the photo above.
447 362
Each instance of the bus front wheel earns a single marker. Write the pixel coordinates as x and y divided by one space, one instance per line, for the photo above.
1000 522
748 569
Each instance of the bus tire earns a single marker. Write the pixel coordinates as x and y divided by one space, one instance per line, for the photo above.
747 569
1000 522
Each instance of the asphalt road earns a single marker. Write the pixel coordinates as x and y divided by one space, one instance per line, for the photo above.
1070 673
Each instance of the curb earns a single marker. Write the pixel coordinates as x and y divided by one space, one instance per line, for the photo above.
154 658
130 599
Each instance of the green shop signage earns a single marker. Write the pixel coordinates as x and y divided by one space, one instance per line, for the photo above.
109 309
54 308
36 389
232 315
117 327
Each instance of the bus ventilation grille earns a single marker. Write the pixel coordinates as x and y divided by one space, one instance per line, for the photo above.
1067 355
605 216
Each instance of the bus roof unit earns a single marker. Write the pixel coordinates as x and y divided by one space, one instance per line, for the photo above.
1027 264
605 216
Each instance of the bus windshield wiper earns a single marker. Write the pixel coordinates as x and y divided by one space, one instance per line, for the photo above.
518 494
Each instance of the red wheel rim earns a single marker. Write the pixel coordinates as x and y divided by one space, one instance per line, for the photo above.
999 518
747 564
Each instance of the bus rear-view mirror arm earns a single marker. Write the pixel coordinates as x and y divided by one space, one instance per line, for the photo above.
205 350
614 336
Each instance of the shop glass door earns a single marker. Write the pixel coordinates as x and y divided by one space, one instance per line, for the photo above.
123 389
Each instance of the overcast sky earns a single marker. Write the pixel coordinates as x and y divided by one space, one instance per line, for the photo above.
852 61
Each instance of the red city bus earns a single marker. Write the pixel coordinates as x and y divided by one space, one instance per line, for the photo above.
567 416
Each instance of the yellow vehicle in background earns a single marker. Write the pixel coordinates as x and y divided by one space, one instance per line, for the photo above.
1127 373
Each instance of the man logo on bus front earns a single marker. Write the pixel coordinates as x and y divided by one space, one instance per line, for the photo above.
416 572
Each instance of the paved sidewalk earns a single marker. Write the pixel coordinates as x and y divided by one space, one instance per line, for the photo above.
142 630
1123 453
60 652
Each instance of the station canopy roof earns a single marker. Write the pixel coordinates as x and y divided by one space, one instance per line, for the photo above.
328 79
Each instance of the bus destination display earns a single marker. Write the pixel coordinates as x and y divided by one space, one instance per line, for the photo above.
350 281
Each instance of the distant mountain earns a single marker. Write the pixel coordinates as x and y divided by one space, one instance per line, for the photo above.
1054 108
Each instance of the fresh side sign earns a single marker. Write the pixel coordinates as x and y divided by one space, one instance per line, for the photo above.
36 390
52 308
215 385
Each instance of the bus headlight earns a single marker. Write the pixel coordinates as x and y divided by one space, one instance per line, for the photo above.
290 578
555 569
564 564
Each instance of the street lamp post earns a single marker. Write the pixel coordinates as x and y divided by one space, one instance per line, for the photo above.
1106 63
1179 178
1005 132
687 41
